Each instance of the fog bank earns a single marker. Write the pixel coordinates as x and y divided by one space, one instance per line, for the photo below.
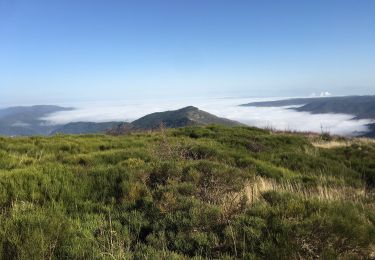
280 118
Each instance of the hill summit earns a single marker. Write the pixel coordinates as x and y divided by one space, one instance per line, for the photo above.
187 116
179 118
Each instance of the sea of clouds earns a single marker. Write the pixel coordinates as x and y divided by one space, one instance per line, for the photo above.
280 118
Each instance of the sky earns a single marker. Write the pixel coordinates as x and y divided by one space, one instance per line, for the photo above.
91 50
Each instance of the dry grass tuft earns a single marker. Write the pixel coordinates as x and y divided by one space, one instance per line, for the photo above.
337 142
254 190
331 144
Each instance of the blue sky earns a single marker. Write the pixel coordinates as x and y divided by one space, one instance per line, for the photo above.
72 50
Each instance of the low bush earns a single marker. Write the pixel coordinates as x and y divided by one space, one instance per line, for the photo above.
204 192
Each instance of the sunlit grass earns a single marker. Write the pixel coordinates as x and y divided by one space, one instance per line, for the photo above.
210 192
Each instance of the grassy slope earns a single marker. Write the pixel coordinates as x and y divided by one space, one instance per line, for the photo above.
213 192
187 116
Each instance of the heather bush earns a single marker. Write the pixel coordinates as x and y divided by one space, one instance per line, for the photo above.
194 192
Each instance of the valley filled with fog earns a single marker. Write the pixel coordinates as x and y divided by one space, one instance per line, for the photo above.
280 118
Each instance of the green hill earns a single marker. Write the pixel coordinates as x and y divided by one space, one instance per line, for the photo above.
205 192
85 128
186 116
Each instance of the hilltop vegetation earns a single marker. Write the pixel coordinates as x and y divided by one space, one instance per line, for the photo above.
187 116
210 192
85 128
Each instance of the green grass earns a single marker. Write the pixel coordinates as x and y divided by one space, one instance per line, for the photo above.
204 192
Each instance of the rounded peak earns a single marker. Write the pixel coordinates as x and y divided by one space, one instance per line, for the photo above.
189 108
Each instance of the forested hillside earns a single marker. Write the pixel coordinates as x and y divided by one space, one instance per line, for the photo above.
210 192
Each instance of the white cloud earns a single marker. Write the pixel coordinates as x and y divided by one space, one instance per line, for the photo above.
325 94
322 94
281 118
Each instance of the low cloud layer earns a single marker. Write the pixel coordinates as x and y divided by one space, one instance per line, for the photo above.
281 118
322 94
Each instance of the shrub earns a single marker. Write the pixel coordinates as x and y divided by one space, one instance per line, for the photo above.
197 192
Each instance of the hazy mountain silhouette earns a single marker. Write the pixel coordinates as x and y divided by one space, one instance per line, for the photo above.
361 107
27 120
85 128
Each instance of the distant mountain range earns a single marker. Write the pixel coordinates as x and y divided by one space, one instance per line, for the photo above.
26 121
85 128
361 107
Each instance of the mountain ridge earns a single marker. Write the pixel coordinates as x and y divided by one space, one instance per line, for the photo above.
361 107
186 116
28 121
84 128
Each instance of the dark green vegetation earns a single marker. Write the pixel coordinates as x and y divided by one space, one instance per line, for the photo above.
210 192
179 118
187 116
371 132
85 128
